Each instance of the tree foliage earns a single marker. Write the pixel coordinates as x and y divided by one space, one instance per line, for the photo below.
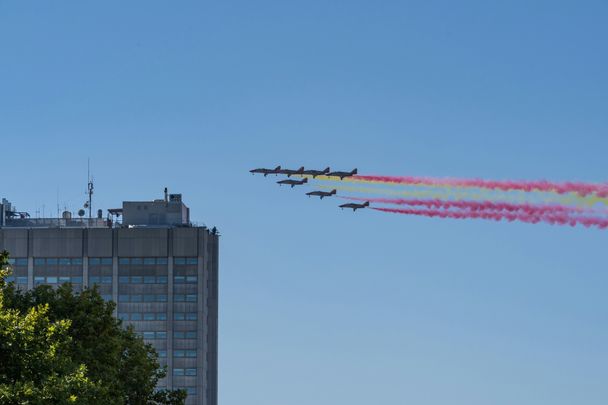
57 346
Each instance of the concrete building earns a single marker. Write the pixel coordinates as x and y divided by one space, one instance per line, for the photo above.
147 257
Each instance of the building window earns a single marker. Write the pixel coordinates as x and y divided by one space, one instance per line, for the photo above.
22 280
161 279
191 260
136 316
161 260
149 280
94 261
179 353
179 261
179 298
162 354
39 262
123 298
124 261
63 262
149 316
106 297
179 372
51 262
94 280
190 371
20 262
191 297
185 279
161 316
106 280
137 261
149 261
136 279
123 316
106 261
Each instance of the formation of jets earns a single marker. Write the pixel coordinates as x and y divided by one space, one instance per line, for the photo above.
314 173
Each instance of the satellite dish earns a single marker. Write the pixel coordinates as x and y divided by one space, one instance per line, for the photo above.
81 213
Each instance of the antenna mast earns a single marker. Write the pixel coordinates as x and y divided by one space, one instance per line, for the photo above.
90 188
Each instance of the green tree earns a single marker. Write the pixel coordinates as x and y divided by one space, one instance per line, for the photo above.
125 369
35 362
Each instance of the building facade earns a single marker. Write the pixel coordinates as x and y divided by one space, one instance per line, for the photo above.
161 271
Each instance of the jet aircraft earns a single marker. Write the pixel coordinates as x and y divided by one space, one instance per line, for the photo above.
322 193
355 206
315 173
266 172
342 175
292 183
290 172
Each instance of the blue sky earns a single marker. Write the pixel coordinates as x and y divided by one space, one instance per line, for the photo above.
320 306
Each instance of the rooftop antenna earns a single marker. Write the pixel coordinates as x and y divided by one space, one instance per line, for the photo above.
89 205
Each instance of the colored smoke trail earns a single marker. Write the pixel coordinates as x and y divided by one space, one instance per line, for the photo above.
470 194
582 189
532 209
553 219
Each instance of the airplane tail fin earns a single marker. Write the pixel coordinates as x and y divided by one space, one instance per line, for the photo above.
354 171
278 167
334 191
301 169
326 170
305 180
366 204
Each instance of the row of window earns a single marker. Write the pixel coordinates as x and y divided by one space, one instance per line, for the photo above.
100 261
145 316
184 297
185 316
153 335
185 279
184 371
142 298
184 353
53 261
142 279
18 280
190 334
57 280
100 280
150 261
18 261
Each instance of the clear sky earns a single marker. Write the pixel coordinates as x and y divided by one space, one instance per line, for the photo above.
320 306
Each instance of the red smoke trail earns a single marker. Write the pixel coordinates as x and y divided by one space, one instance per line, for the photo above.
557 218
479 206
582 189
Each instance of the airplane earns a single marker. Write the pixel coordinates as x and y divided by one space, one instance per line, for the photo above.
315 173
322 193
355 206
342 175
290 172
292 183
266 172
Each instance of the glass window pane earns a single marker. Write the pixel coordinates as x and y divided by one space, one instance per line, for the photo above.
192 260
21 280
136 260
106 280
178 371
161 335
51 280
191 298
149 298
162 353
149 260
136 279
179 260
179 353
136 298
77 280
63 261
123 316
124 260
161 298
179 298
191 316
149 335
178 316
51 262
161 260
179 279
136 316
190 353
77 261
94 261
94 280
106 261
149 316
123 280
123 298
64 279
161 279
39 261
190 371
161 316
149 280
191 279
21 262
